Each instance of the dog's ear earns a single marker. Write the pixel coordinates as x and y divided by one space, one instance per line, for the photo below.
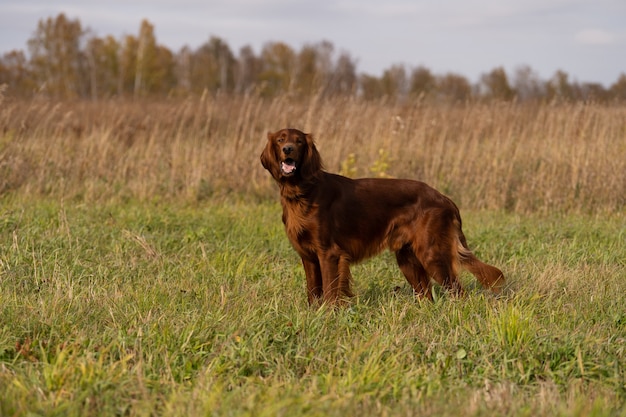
269 159
312 161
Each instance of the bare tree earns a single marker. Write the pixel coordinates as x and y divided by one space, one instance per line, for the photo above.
527 84
183 70
559 87
247 70
343 80
422 83
618 89
496 84
16 74
371 87
454 88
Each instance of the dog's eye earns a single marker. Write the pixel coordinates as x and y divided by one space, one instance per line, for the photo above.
280 140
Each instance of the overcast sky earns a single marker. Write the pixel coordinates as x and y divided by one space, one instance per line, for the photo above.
585 38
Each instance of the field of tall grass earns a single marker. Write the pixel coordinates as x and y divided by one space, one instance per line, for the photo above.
520 158
144 269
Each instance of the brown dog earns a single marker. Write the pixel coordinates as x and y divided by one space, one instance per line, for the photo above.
333 221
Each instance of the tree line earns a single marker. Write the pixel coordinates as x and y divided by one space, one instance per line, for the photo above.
66 61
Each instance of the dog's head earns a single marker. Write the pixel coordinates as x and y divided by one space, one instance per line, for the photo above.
291 154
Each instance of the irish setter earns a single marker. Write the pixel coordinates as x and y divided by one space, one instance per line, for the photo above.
333 221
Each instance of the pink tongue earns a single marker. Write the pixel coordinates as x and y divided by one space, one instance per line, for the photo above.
288 168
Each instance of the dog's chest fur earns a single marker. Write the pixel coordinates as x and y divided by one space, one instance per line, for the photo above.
299 218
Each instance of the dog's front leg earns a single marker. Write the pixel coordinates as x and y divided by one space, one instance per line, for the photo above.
330 277
314 284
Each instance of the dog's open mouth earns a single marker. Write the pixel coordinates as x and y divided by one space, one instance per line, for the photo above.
288 166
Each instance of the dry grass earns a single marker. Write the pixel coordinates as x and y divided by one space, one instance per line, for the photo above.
566 157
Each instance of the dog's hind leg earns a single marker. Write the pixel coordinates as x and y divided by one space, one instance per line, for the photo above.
414 272
441 262
345 278
435 246
444 273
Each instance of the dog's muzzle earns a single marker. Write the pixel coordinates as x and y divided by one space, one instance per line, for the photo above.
288 167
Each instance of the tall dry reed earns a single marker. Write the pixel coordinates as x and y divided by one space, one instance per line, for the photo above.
518 157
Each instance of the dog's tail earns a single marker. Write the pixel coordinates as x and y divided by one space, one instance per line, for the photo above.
489 276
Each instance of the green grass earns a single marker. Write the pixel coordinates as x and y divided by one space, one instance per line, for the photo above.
177 309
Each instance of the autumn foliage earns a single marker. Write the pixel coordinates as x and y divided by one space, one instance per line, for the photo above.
66 61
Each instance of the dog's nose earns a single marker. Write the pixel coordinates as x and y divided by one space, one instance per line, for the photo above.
287 149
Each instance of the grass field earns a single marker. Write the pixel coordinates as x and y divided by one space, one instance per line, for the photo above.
172 309
144 269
